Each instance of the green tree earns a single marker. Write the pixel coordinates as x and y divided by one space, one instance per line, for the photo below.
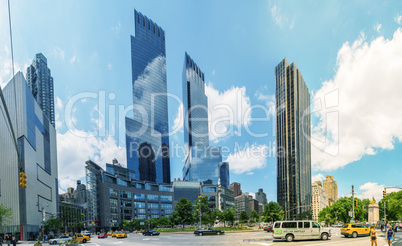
5 216
207 216
229 215
218 215
254 216
272 212
53 224
243 218
124 225
174 218
339 211
393 203
164 221
184 210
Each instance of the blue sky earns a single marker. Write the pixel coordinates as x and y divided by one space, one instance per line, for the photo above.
350 47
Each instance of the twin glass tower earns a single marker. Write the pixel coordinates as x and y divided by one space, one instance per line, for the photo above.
147 133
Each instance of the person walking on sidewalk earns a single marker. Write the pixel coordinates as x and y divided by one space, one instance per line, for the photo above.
7 239
390 235
373 235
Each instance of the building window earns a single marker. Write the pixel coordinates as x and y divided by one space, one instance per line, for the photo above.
139 196
125 194
153 205
126 203
208 189
151 197
113 202
166 206
166 198
122 182
113 192
139 204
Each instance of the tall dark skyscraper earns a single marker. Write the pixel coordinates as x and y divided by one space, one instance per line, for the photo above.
40 82
293 141
147 139
203 162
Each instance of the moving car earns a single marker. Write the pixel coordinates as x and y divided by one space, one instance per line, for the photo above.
102 235
86 233
82 238
138 231
150 233
268 228
109 233
208 231
61 239
120 234
354 230
299 229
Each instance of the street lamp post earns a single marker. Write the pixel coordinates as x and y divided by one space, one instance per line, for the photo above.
43 218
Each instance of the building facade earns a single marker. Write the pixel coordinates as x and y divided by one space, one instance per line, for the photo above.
293 133
236 188
36 140
331 188
40 82
261 197
147 139
218 196
113 196
242 203
202 162
319 199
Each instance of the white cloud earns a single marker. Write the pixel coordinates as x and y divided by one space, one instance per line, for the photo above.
368 190
318 176
227 110
252 194
281 19
178 120
368 82
116 29
377 27
398 19
109 66
73 151
269 102
74 59
6 70
248 159
58 53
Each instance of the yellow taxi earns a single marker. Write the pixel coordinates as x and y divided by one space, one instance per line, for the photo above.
109 233
120 234
355 230
138 231
81 238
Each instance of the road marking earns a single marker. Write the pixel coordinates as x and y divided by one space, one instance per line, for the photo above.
259 243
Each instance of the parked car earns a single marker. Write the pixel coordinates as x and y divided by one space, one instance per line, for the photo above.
61 239
138 231
102 235
299 229
354 230
150 233
208 231
268 228
82 238
109 233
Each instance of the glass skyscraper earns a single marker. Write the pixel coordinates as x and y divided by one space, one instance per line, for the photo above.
40 82
203 163
148 150
293 141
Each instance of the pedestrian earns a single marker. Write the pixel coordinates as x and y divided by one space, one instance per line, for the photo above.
373 235
1 241
13 240
390 235
7 238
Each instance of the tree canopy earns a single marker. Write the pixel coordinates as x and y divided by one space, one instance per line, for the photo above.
272 212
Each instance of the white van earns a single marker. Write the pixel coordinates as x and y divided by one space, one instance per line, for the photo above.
299 229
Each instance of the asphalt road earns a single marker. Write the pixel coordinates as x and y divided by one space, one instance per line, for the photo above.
232 239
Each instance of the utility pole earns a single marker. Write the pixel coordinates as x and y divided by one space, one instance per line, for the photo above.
385 207
353 201
199 205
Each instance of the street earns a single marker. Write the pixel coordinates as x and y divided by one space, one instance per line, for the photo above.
234 238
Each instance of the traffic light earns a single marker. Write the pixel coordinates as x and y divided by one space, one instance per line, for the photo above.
384 194
23 180
330 203
363 208
200 197
356 203
198 210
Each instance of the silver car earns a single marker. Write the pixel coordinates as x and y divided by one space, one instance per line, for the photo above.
62 239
